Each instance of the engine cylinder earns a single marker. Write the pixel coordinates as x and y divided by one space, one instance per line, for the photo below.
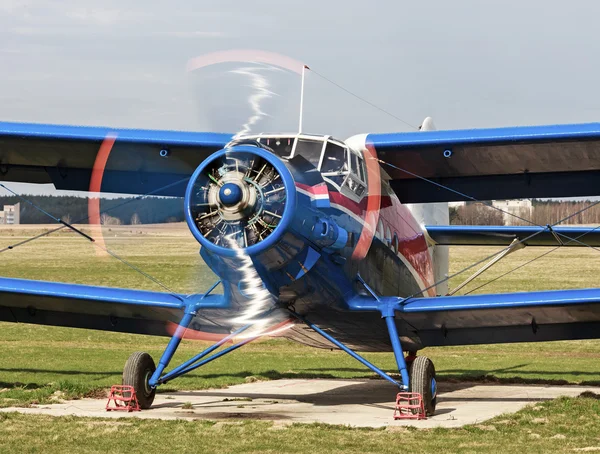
240 198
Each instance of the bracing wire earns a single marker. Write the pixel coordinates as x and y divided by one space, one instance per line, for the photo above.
360 98
533 260
542 228
85 218
92 240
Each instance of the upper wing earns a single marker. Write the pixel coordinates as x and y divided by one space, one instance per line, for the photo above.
487 164
118 160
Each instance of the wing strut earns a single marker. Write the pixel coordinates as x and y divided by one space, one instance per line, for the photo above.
514 246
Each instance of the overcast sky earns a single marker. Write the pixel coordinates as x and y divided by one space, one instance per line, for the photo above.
466 63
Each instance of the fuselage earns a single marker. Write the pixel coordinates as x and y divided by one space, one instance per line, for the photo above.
344 184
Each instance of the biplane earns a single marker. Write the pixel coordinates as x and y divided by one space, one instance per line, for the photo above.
324 241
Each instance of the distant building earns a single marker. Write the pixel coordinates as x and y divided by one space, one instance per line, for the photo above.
522 208
11 215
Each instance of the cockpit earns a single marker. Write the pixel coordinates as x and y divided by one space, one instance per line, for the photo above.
339 165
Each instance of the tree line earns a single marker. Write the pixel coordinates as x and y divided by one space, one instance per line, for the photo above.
125 210
542 212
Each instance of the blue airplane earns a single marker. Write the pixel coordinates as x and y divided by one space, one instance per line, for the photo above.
323 241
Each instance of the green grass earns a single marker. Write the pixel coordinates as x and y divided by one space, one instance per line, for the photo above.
563 268
562 425
40 364
38 361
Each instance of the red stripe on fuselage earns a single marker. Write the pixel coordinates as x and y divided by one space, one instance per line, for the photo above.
318 189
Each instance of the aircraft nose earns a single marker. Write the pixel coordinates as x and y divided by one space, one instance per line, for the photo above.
230 194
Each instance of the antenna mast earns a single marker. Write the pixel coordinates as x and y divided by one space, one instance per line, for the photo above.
304 68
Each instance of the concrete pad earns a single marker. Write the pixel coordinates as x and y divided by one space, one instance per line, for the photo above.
360 403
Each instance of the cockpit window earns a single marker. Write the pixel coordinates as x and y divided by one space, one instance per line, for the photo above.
309 150
334 164
356 179
282 147
334 159
358 167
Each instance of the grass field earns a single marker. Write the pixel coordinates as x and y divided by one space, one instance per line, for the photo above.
37 363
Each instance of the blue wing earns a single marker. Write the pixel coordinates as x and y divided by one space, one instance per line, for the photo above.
109 309
488 164
129 161
492 318
67 155
481 235
508 317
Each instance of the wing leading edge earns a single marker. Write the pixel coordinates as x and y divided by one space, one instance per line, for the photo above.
504 317
491 235
103 308
488 164
132 161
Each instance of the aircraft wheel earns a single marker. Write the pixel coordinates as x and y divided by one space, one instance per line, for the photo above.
137 372
422 381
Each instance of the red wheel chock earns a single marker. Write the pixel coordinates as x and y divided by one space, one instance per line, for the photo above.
409 406
123 398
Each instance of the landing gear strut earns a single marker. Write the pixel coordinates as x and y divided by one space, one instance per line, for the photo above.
417 372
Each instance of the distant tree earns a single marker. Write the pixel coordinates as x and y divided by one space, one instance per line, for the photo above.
135 219
454 217
107 219
150 210
478 214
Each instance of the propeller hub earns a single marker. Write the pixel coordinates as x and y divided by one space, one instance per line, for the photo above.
230 194
238 197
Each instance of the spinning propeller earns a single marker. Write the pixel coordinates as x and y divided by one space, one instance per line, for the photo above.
239 198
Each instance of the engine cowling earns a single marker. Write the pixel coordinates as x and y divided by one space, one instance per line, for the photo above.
241 198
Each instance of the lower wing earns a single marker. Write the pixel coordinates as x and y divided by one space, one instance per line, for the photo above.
492 235
108 309
503 317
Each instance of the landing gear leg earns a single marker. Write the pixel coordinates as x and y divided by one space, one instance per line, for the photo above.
398 353
141 372
418 373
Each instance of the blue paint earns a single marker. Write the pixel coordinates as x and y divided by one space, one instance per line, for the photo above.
179 370
503 235
99 294
171 348
341 346
308 262
282 226
230 194
398 352
501 300
488 136
209 359
35 130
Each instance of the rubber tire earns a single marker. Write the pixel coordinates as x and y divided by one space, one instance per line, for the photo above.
421 373
137 371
